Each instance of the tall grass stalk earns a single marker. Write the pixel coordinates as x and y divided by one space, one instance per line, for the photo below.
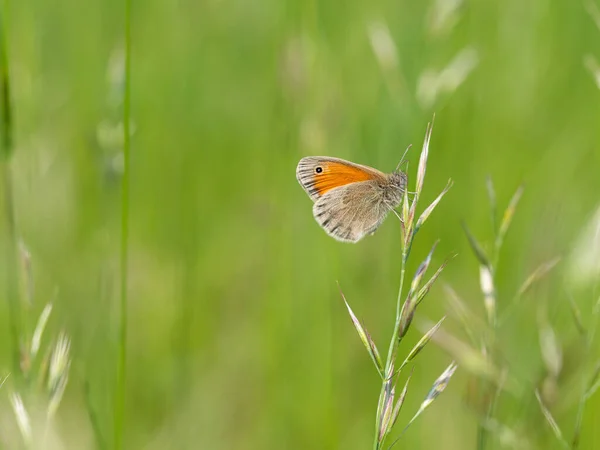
487 280
11 252
119 402
389 405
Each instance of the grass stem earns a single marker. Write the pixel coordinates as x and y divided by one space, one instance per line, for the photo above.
119 404
392 348
11 251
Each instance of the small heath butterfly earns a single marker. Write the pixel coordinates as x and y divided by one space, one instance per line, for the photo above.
350 200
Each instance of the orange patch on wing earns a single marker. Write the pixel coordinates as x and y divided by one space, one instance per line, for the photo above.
337 174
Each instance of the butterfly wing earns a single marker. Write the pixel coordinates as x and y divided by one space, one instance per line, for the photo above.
350 212
318 174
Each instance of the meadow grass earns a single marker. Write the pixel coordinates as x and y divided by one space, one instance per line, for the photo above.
389 405
188 281
11 251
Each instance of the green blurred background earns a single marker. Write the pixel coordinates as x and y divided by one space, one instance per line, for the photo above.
237 337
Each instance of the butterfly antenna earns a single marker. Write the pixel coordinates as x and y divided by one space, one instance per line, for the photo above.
402 159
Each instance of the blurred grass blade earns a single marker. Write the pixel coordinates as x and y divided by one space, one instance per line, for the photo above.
57 394
468 319
471 359
425 214
533 278
584 259
422 343
489 184
26 273
592 390
591 64
550 349
578 423
4 380
486 283
400 400
540 272
550 419
39 330
507 217
383 45
365 338
594 383
506 436
60 362
410 304
576 314
477 250
23 421
93 417
593 11
443 16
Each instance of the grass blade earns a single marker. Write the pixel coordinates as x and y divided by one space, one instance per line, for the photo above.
470 322
426 288
540 272
576 314
120 384
421 344
406 231
425 214
477 250
39 330
386 412
550 419
365 338
594 382
410 304
23 420
11 247
550 349
509 213
471 359
438 387
489 184
486 282
400 400
421 169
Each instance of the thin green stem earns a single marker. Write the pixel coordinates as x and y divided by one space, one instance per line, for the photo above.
394 340
391 350
119 403
93 416
11 256
586 385
482 430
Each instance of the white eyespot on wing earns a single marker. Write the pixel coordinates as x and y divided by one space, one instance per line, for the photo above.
349 213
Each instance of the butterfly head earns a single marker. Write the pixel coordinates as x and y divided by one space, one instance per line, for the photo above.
394 192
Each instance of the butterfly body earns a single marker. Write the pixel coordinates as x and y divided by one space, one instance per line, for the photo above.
350 200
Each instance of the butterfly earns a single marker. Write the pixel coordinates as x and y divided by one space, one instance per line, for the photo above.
350 200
